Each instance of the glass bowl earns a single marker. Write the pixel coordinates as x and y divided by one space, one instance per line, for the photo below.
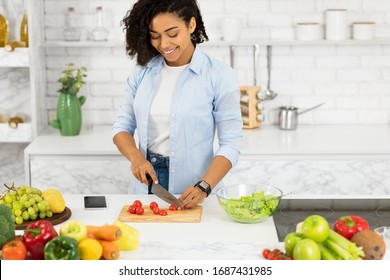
249 203
385 233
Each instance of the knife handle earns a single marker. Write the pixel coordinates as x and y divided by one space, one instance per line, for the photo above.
150 180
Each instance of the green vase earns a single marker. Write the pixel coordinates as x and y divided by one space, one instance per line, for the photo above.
69 114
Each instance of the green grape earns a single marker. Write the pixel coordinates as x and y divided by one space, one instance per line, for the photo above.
19 220
47 205
42 215
32 201
25 215
28 190
38 198
17 205
49 214
8 199
27 204
42 206
17 212
34 216
35 206
31 211
23 199
20 192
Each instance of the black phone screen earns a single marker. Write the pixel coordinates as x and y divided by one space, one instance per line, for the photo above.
95 202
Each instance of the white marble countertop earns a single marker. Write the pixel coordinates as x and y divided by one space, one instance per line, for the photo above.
215 237
264 142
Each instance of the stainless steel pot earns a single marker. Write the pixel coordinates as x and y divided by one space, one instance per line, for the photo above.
288 116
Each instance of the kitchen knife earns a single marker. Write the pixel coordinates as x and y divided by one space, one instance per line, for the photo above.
162 193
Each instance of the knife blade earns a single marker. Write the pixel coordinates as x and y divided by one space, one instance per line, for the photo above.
162 193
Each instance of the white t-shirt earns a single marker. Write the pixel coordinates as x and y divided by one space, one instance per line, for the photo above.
158 130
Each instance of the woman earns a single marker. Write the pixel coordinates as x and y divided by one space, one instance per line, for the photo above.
177 98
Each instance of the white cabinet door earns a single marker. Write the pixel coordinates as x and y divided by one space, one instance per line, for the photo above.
81 176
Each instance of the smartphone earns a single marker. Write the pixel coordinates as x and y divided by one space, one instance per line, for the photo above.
95 202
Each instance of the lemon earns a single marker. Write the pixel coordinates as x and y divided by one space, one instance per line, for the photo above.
90 249
55 199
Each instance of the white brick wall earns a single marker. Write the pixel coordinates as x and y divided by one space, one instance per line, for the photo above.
353 80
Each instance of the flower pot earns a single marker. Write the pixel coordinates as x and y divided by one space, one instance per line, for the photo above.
69 114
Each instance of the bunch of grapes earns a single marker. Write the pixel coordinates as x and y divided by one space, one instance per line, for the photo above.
26 203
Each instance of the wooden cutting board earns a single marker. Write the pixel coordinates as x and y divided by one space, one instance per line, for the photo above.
193 215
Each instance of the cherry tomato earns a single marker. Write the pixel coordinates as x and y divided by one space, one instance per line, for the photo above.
172 208
14 250
137 203
156 211
132 209
153 205
266 253
139 211
163 213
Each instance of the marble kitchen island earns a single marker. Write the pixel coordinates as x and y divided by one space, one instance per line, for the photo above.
215 237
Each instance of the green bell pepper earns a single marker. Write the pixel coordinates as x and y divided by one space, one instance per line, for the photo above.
62 248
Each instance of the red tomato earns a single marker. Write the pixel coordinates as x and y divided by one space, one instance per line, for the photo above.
139 211
266 252
153 205
163 213
137 203
156 211
132 209
172 208
14 250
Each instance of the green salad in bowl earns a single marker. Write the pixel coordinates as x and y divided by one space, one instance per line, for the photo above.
247 203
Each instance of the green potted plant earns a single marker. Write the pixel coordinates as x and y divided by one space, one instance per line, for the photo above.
69 114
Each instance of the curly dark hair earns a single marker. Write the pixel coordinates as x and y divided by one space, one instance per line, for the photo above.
136 25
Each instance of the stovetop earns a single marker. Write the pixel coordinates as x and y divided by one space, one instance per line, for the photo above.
293 211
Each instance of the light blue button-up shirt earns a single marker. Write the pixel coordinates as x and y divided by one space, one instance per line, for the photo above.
206 101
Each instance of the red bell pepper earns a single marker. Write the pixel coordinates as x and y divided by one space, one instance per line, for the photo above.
35 237
347 226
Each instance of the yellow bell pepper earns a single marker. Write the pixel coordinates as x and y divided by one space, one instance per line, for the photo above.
130 237
74 229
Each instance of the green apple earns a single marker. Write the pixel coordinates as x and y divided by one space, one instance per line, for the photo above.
290 241
316 228
306 249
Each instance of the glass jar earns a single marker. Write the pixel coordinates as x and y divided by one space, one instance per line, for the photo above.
99 33
71 31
